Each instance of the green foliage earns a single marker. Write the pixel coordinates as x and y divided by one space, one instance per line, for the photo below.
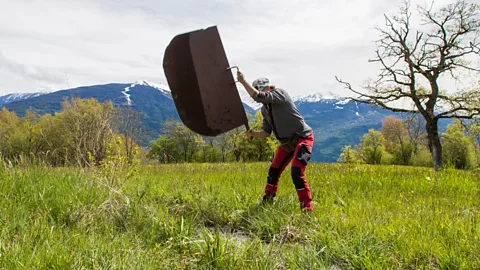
209 150
164 150
404 143
422 157
472 129
117 167
78 135
350 156
180 144
85 128
14 134
402 153
458 150
372 147
186 141
257 149
399 142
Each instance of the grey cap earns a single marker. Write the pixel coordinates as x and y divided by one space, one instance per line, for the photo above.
261 83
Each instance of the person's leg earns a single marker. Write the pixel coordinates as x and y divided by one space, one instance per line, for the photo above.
302 155
279 162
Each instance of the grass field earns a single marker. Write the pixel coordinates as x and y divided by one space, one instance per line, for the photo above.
207 216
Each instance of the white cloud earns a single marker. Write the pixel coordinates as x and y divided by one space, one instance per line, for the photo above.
29 72
300 45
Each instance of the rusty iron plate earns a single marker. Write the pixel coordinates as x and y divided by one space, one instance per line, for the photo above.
203 89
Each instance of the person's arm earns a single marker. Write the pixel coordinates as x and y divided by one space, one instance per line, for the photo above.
274 96
251 91
264 133
258 134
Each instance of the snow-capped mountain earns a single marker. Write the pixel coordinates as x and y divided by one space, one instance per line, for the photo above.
164 89
336 121
19 96
246 99
316 97
311 98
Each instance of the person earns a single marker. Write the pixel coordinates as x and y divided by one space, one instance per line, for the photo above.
281 116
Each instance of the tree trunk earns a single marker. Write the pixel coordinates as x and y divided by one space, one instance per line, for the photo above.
434 144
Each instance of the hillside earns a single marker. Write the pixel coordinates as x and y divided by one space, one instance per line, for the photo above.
337 122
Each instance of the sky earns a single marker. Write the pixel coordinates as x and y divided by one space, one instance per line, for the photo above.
299 45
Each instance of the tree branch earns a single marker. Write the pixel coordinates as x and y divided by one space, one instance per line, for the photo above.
405 54
377 100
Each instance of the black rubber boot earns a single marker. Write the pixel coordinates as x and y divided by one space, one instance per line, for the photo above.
268 198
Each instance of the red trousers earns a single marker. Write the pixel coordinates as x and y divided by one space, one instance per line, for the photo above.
299 158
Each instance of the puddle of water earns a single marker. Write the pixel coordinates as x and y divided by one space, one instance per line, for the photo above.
238 236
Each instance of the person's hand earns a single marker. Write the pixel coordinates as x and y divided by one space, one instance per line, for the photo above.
241 77
249 134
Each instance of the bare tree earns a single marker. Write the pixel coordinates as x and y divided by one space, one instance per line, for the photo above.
449 47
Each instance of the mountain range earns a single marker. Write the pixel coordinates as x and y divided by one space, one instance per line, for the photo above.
336 121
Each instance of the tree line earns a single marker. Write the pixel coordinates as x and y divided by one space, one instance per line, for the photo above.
84 132
405 142
179 144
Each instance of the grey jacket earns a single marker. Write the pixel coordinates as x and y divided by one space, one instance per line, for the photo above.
287 122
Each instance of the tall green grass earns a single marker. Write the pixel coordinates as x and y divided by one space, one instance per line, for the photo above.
208 216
